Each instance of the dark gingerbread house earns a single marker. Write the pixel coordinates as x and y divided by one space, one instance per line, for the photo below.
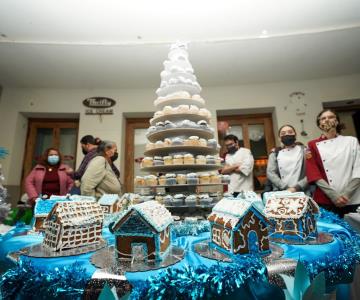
292 216
238 226
143 232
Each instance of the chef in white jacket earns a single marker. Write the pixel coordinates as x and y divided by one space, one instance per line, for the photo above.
239 164
333 164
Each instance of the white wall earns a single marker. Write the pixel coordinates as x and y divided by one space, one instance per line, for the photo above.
49 102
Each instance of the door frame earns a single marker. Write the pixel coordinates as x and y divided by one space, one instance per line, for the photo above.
131 125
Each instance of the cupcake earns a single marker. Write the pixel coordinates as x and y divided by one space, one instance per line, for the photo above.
168 200
192 141
151 129
162 180
225 179
212 143
218 160
187 124
191 200
182 109
194 109
189 159
205 199
170 179
200 160
192 178
159 144
177 141
139 181
168 160
204 112
204 178
158 161
147 162
181 179
158 114
202 124
149 146
151 180
178 199
178 159
160 125
202 142
210 160
168 124
167 142
215 177
168 110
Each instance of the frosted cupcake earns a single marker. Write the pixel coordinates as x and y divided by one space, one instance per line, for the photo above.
205 199
215 177
167 142
151 129
170 179
182 109
158 161
191 200
151 180
203 142
168 200
194 109
210 160
189 159
200 160
192 141
202 124
177 141
204 178
168 160
139 181
168 110
160 125
147 162
192 178
169 125
178 199
158 114
178 159
181 179
159 144
212 143
162 180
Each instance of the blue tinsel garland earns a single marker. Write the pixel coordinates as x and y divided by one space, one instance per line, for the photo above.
337 269
3 152
196 283
28 282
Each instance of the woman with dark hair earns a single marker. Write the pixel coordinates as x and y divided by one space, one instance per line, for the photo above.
99 177
333 164
49 177
286 164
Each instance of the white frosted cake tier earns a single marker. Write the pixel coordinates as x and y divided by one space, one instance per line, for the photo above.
175 132
191 89
174 66
160 104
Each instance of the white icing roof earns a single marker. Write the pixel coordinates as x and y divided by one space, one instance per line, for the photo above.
284 206
153 212
108 199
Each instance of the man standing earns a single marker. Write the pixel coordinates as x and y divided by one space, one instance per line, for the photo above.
239 164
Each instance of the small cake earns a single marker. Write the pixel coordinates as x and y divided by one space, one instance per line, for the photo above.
202 124
191 200
204 112
218 160
147 162
187 124
178 199
210 160
205 199
225 179
151 129
151 180
170 179
168 200
192 178
212 143
178 159
181 179
215 177
200 160
177 141
204 178
168 110
168 124
159 144
194 109
203 142
192 141
158 161
162 180
149 146
158 114
168 160
160 125
189 159
139 181
167 142
182 109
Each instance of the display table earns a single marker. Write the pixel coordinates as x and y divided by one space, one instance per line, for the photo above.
314 256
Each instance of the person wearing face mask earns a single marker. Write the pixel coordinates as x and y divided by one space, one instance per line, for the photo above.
286 164
333 164
49 177
99 177
239 164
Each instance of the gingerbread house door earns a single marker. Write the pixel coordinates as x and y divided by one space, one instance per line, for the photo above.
253 242
138 252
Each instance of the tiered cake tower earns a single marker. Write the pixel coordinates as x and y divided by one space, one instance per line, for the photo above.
181 142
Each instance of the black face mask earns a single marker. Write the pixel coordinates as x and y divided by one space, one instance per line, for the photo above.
232 149
288 140
114 157
84 151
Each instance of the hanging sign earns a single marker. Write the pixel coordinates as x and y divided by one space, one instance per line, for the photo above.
99 106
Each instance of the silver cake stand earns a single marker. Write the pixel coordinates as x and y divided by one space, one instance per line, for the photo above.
105 259
40 251
321 239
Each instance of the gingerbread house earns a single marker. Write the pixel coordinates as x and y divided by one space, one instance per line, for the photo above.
72 224
143 232
41 211
238 226
291 215
110 203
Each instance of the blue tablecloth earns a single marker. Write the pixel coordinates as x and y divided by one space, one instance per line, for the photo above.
15 240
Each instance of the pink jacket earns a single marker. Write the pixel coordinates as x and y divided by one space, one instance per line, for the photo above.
34 181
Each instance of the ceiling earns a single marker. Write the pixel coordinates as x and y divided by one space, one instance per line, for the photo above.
122 44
